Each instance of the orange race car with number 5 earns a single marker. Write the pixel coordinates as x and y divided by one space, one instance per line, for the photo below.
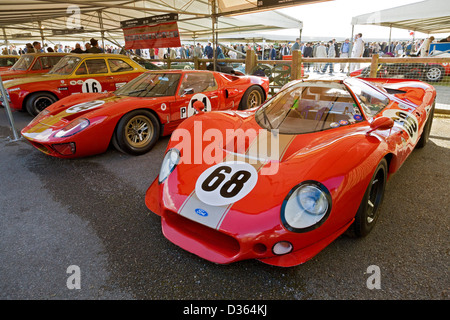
73 74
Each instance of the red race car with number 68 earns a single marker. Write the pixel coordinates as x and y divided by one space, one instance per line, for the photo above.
133 117
280 182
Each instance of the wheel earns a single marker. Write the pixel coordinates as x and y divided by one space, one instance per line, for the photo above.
253 97
368 211
426 130
137 132
434 73
39 101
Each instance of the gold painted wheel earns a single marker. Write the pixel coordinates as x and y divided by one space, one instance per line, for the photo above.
139 131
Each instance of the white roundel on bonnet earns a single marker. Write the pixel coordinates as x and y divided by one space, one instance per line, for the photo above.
226 183
85 106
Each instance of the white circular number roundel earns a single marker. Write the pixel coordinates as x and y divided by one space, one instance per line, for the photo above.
198 97
91 85
85 106
226 183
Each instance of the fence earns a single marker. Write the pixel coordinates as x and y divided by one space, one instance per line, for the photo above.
435 71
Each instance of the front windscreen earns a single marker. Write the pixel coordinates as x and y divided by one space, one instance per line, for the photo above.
66 65
151 85
23 63
309 107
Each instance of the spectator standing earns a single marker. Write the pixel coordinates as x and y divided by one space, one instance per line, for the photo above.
425 46
198 51
357 51
330 54
272 53
94 47
296 45
37 47
345 53
308 53
209 51
77 49
321 52
284 51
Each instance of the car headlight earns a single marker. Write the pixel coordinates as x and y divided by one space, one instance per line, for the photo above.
72 128
306 207
169 163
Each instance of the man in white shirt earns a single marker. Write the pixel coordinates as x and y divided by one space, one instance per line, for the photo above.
357 51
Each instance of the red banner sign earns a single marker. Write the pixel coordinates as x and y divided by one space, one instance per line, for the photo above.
161 35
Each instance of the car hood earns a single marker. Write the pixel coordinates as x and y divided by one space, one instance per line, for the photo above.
26 80
95 107
270 174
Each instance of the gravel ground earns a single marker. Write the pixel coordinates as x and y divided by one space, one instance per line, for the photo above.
91 213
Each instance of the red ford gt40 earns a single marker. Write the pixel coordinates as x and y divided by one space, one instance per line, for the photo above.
280 182
136 115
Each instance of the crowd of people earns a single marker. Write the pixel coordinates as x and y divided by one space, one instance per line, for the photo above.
89 47
276 51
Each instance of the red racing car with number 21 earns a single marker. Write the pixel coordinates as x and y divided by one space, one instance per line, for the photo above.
133 117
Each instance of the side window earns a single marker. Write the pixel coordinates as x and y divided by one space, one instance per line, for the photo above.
117 65
51 61
81 69
37 65
96 66
198 82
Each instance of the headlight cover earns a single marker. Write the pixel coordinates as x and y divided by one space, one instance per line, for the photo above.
169 163
72 128
306 207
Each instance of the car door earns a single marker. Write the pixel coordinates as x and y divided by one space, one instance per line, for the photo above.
92 75
195 86
121 72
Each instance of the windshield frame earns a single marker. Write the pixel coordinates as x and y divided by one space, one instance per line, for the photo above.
370 87
59 65
279 107
21 61
125 90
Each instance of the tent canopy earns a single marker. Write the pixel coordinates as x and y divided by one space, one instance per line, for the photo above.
37 19
430 16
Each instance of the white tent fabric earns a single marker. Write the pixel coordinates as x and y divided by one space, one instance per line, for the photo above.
430 16
36 19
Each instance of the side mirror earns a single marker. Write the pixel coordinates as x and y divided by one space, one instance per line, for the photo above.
198 106
382 123
188 91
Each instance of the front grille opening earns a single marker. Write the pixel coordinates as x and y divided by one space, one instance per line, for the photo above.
212 239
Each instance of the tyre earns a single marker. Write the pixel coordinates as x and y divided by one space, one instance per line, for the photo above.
39 101
253 97
137 132
434 73
368 211
426 130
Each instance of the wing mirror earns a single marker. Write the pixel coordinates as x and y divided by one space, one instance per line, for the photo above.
198 106
382 123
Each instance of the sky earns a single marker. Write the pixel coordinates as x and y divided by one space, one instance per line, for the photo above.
333 19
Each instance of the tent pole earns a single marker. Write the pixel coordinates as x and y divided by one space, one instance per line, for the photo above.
390 36
8 110
214 21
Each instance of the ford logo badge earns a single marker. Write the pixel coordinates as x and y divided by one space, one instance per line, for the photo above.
201 212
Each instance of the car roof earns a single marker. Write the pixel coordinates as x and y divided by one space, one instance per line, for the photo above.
98 55
39 54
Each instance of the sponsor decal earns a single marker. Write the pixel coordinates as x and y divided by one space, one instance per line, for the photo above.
163 107
85 106
334 124
201 212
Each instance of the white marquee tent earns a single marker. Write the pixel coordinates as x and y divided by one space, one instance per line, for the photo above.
430 16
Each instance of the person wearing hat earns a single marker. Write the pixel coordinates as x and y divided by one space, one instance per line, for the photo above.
94 47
